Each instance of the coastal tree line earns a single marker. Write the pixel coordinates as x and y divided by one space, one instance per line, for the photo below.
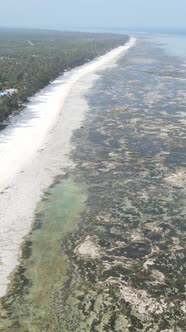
29 60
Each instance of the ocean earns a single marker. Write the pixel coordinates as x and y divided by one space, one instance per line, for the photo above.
107 249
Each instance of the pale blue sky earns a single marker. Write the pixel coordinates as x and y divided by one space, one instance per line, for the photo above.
60 14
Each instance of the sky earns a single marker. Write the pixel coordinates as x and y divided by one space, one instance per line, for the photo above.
75 14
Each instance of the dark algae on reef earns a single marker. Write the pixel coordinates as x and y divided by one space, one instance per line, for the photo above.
119 263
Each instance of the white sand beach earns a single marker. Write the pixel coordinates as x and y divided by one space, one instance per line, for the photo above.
34 149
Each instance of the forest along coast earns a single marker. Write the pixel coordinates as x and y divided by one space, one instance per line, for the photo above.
118 261
29 166
31 59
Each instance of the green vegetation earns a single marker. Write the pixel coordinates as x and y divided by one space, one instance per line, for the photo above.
7 105
30 59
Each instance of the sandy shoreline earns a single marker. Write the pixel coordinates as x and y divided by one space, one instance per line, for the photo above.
34 149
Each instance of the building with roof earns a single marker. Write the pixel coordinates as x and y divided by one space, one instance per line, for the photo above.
8 92
3 93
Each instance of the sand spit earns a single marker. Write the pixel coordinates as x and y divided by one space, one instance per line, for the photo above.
34 148
88 248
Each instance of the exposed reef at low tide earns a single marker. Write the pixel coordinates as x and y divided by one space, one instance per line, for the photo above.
122 268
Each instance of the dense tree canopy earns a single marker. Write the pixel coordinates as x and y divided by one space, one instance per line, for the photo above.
29 60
